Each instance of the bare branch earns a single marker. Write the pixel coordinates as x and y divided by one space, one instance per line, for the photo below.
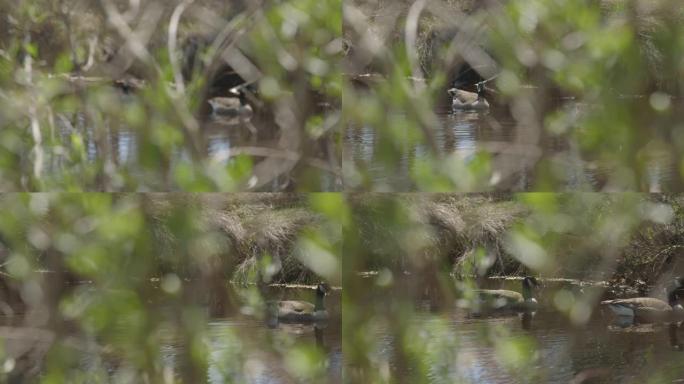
173 40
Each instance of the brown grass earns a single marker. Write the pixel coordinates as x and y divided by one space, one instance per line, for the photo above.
459 229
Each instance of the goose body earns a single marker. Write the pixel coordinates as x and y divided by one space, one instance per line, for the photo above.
647 309
496 299
297 311
637 305
231 108
294 310
464 100
644 310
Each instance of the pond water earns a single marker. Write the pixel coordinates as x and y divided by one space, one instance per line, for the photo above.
514 161
546 346
560 353
242 347
264 363
118 147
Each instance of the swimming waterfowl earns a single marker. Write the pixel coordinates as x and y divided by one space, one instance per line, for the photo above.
297 311
233 110
464 100
646 309
510 300
233 107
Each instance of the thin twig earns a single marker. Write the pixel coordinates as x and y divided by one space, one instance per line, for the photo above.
172 43
33 116
411 33
225 155
135 43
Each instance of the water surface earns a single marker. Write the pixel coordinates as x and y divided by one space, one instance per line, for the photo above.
544 346
243 346
515 156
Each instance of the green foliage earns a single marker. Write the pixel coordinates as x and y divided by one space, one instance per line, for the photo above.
133 280
66 127
412 260
598 77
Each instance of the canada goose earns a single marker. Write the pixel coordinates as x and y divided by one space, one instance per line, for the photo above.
645 309
464 100
233 110
511 300
302 311
233 107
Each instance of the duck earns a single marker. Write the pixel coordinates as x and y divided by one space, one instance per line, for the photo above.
649 309
297 311
464 100
503 299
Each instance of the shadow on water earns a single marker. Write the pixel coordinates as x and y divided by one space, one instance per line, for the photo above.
242 345
515 160
536 346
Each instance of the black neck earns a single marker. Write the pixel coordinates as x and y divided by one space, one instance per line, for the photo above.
526 289
672 298
319 306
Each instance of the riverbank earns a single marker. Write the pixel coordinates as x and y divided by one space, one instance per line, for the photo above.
482 235
231 237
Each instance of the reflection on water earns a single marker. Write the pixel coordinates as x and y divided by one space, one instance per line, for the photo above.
242 347
547 346
515 159
560 352
264 365
119 145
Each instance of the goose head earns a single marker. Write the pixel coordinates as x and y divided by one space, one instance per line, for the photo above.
678 284
322 289
673 301
529 284
674 292
480 89
237 92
